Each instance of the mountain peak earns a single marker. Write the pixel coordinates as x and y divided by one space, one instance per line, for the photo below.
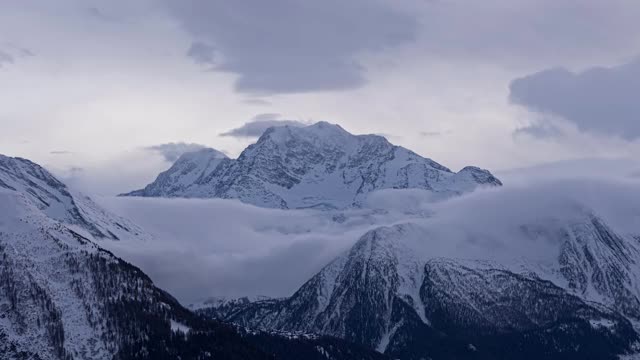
188 169
327 127
393 292
319 134
206 152
201 156
315 166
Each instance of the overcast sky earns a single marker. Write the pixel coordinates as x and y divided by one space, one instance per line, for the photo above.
107 92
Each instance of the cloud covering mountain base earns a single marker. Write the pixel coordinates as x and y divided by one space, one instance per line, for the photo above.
219 247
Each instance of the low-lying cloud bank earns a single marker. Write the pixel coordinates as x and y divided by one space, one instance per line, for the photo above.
224 247
217 247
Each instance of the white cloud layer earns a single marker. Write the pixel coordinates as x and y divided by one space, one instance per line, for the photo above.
225 248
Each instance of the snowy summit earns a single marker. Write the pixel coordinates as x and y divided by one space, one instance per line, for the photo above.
317 166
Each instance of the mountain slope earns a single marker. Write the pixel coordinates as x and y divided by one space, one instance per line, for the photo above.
60 203
64 297
387 295
188 169
320 166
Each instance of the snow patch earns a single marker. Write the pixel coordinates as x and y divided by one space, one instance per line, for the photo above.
179 327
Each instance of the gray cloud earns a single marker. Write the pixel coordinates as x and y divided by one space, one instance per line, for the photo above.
259 124
530 30
99 14
5 58
25 52
202 53
10 53
172 151
287 46
600 100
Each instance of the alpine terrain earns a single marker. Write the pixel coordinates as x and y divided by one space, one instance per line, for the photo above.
317 166
64 297
389 293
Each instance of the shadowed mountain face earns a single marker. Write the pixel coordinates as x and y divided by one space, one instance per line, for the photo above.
63 297
383 295
318 166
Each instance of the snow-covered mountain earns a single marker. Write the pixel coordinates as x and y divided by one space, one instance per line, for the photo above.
187 170
60 203
64 297
317 166
389 293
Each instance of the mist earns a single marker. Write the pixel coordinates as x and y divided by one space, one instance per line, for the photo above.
214 247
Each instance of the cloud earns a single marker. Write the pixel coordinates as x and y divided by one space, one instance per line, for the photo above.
10 53
604 169
202 53
599 100
435 133
542 130
172 151
99 14
529 30
257 102
131 169
60 152
256 127
463 228
5 58
223 247
289 46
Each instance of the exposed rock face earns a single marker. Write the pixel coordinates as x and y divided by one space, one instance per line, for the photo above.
318 166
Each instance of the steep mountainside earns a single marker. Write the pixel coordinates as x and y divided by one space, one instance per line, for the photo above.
58 202
382 294
187 170
321 166
63 297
